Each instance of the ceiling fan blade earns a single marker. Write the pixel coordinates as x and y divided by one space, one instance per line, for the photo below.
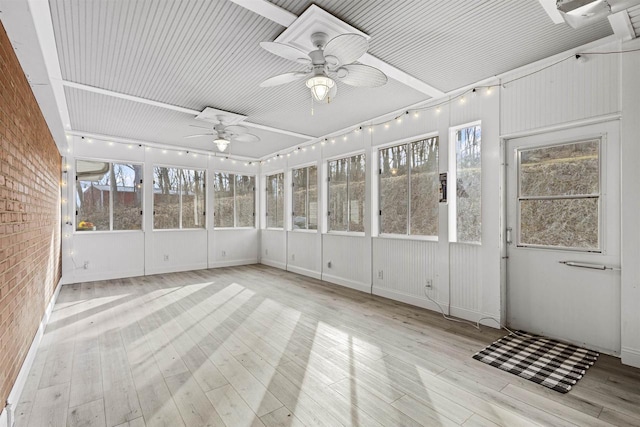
284 78
198 135
202 127
236 129
363 76
347 48
246 137
285 51
551 8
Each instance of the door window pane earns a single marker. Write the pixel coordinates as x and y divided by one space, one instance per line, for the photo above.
338 204
192 194
424 187
394 190
299 199
468 184
312 209
245 201
223 199
559 196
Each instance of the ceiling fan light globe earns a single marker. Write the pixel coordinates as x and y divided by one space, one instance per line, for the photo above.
320 86
221 144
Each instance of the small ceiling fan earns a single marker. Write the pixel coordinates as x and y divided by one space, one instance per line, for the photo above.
332 61
226 134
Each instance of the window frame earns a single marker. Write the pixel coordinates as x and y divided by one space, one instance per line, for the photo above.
235 213
308 200
75 196
452 175
406 142
345 156
600 196
266 199
153 194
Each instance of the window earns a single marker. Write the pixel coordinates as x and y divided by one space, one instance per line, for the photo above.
409 188
234 200
559 196
178 198
108 196
275 200
466 184
305 198
346 194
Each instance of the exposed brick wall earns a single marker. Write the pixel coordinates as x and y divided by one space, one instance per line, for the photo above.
30 262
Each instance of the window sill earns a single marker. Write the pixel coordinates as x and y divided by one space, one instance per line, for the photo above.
346 233
87 232
232 228
170 230
408 237
303 230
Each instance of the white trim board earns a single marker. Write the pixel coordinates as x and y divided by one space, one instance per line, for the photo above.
630 357
274 264
233 263
6 417
352 284
304 271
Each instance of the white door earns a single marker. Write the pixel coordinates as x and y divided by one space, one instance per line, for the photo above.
563 235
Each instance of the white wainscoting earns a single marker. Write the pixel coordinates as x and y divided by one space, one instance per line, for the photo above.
110 255
273 248
304 253
233 246
176 250
350 258
465 273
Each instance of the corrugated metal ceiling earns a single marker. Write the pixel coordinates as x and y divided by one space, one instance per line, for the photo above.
201 53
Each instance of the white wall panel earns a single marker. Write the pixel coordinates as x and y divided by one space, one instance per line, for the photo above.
176 250
109 256
465 272
405 266
304 253
233 247
350 258
563 93
273 245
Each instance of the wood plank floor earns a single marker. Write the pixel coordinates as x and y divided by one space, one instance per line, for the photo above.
256 346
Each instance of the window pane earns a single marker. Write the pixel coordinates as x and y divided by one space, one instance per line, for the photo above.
468 184
567 169
275 200
127 197
92 192
245 200
192 192
299 198
223 199
568 223
338 205
424 187
312 198
356 192
166 198
394 176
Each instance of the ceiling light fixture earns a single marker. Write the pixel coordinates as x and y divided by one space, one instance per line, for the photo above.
222 144
320 86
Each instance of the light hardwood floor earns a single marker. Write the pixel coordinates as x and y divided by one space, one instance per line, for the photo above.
256 346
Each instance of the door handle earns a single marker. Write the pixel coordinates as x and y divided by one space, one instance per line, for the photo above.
509 241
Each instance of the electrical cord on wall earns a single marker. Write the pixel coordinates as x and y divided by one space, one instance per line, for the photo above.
477 324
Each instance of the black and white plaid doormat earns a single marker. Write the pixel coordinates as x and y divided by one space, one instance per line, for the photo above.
545 361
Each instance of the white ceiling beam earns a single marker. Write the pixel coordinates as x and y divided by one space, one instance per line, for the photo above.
268 10
286 18
172 107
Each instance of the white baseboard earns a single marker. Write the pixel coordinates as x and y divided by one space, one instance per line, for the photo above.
358 286
304 271
102 275
6 417
174 269
630 356
271 263
234 263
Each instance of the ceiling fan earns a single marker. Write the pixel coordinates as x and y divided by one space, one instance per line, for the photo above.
224 135
580 13
332 61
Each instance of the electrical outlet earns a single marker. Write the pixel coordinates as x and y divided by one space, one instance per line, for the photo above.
166 257
224 254
380 274
329 264
429 284
293 257
86 265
